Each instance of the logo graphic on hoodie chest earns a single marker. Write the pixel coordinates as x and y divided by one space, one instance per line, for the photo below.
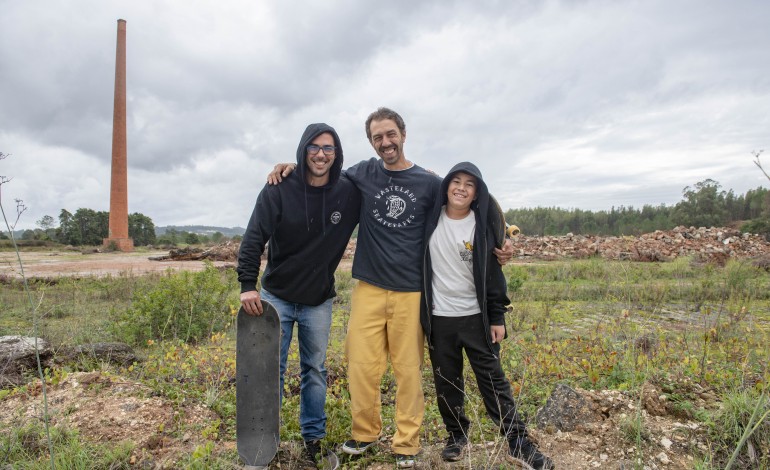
394 206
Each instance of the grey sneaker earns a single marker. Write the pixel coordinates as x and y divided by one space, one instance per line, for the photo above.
322 458
353 447
525 454
454 448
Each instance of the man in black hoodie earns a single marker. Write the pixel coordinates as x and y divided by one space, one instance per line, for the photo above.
463 308
307 223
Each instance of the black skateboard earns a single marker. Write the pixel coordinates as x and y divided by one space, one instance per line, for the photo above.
257 392
497 223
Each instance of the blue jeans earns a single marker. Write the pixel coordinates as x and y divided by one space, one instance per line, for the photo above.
313 326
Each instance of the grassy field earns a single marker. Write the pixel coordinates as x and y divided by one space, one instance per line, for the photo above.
587 323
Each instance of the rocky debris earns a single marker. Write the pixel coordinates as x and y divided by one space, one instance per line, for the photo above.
704 244
115 353
653 401
351 249
17 356
604 433
565 410
713 245
227 251
111 408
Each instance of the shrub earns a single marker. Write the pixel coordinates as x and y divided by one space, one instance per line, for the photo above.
186 305
759 226
515 275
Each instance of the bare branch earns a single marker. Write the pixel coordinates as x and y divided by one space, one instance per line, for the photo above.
20 209
756 154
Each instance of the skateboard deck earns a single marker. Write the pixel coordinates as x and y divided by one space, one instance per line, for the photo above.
257 386
497 223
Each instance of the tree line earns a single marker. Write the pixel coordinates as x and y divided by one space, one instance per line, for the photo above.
703 205
89 227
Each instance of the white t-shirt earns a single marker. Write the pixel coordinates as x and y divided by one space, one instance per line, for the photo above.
451 254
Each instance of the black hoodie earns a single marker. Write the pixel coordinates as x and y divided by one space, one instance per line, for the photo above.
307 228
491 288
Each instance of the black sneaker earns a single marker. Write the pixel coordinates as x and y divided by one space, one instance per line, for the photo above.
353 447
454 448
322 458
524 453
405 461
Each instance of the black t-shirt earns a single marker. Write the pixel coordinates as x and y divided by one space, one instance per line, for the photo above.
394 208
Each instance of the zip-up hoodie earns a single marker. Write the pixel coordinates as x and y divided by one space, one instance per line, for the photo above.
491 289
307 229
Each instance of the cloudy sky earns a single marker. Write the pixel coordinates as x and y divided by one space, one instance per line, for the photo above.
577 104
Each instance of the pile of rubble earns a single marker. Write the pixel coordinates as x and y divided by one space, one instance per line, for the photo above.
715 244
227 251
705 244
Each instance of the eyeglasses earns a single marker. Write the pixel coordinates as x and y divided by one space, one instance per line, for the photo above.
328 149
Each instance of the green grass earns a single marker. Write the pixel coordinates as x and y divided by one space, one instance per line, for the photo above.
590 323
25 447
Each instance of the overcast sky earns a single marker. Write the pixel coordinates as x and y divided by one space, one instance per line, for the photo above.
575 104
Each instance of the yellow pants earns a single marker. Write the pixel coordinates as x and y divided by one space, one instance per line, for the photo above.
382 323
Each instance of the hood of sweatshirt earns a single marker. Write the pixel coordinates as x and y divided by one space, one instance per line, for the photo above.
311 132
481 204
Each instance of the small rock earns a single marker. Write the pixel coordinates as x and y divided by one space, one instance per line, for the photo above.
663 458
565 410
666 443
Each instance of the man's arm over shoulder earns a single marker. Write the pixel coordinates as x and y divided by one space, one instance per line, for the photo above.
283 170
279 172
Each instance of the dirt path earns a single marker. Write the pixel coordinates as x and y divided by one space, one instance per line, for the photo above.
41 264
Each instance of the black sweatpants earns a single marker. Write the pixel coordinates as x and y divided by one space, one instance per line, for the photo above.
449 336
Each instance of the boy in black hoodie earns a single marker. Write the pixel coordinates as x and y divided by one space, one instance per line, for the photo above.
464 305
307 223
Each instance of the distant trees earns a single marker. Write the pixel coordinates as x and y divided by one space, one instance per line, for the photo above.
85 227
174 237
45 230
46 225
141 229
192 238
703 205
90 227
758 204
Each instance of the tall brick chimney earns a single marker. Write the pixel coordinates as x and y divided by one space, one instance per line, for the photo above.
118 234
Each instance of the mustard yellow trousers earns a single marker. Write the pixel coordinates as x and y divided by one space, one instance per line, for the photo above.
384 324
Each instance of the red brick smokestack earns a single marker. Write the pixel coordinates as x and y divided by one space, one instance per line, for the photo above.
118 235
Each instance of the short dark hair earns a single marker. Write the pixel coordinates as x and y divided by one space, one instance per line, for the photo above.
380 115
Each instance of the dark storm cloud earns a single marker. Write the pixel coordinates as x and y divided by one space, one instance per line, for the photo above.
584 104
